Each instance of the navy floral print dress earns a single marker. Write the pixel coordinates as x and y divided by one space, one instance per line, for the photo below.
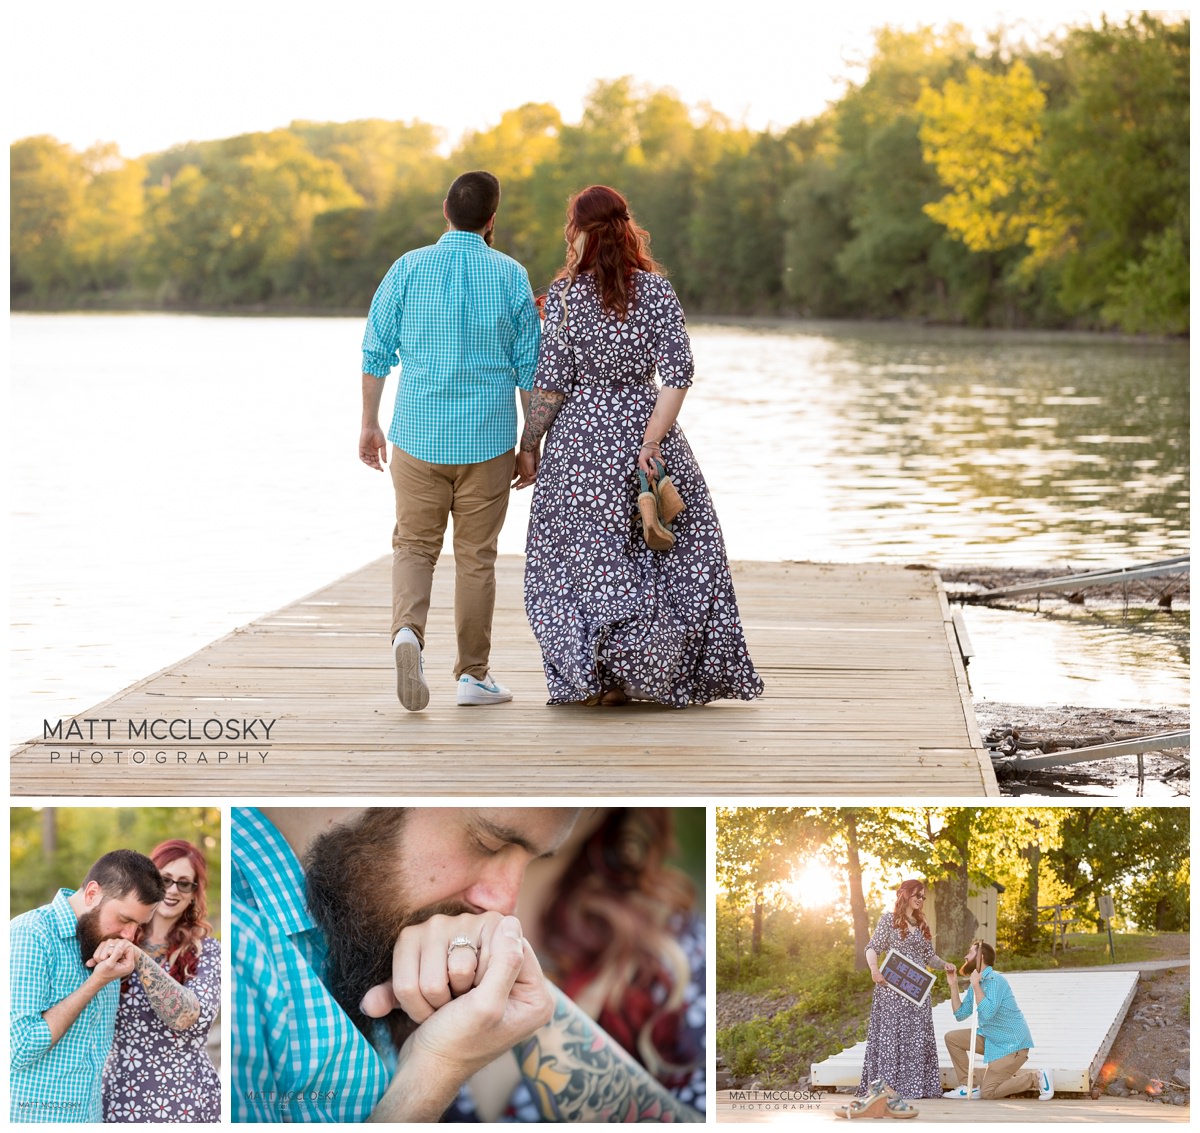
901 1042
156 1074
607 610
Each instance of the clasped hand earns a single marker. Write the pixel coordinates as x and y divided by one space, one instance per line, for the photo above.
471 1005
113 959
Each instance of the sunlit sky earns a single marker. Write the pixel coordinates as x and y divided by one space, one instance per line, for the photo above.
148 75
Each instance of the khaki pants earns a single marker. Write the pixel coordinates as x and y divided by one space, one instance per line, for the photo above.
1000 1077
427 495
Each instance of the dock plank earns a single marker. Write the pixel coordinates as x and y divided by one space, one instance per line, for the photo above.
865 694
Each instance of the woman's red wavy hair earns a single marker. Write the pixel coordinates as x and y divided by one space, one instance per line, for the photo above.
900 918
603 238
611 929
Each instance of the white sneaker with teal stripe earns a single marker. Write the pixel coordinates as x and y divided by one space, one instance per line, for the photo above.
486 691
961 1092
411 688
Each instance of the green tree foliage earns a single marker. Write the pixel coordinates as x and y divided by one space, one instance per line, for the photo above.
1009 185
1137 855
53 848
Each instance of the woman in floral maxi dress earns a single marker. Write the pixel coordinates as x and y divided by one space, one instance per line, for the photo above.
616 620
901 1044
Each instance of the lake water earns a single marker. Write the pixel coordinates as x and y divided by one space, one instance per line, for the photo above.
175 476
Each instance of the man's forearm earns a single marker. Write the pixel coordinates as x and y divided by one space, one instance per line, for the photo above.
61 1016
372 398
173 1003
575 1072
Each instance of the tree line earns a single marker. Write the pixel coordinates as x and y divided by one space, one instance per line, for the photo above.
52 848
1035 856
1042 185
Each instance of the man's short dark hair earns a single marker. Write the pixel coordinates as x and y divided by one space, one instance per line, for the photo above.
472 200
121 872
989 953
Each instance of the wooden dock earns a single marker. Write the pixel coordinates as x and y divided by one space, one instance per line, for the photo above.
866 695
1073 1016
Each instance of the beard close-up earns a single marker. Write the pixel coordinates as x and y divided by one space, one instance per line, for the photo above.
87 932
360 904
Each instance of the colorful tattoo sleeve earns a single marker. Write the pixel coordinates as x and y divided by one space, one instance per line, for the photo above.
543 408
577 1073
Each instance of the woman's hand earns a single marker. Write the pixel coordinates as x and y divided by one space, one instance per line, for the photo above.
505 1000
877 976
647 455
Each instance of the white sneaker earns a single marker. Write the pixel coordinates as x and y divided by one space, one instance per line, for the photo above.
411 688
961 1092
486 691
1045 1085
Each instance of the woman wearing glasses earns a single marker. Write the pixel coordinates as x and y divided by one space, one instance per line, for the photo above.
158 1068
902 1054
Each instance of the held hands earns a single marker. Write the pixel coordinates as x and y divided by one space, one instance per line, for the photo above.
113 960
525 472
470 1007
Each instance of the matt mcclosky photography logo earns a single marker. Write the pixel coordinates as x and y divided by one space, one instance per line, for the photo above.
213 741
774 1099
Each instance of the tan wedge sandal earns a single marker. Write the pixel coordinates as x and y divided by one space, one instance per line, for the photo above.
670 503
658 536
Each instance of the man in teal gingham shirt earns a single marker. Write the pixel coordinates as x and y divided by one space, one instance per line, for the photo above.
460 319
61 1022
1002 1037
297 1054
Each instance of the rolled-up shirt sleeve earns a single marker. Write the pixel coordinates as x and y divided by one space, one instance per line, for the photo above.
30 982
381 339
529 333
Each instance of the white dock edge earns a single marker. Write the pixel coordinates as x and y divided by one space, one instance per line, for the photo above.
1073 1017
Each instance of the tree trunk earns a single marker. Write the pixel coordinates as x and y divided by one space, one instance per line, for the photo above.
858 904
956 924
757 933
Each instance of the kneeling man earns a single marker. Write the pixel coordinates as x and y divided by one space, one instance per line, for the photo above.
1002 1037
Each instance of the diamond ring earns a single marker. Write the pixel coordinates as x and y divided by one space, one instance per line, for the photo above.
462 942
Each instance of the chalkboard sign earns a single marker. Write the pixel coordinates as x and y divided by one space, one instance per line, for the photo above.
906 978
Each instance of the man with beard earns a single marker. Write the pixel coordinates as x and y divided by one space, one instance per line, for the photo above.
460 318
67 961
372 981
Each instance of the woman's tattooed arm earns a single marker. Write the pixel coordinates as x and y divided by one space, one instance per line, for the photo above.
577 1073
174 1004
543 408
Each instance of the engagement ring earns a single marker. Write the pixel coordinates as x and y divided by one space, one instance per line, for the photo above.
462 942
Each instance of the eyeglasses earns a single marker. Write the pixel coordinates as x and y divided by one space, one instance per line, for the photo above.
180 883
919 897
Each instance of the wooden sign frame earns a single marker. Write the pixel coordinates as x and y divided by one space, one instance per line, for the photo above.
907 978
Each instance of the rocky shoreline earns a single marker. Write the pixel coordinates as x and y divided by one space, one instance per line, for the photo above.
1037 728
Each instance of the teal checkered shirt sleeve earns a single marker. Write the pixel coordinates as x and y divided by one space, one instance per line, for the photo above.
296 1054
1001 1022
460 320
54 1081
